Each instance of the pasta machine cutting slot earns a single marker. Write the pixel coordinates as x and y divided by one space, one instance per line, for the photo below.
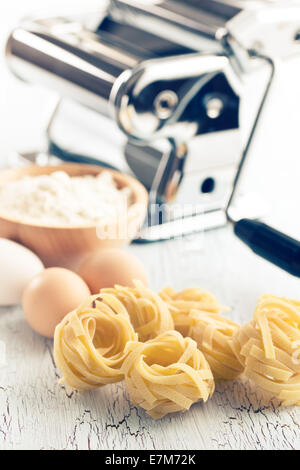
175 77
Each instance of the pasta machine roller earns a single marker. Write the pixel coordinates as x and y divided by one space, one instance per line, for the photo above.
175 77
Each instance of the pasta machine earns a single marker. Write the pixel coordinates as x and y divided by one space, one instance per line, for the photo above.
176 76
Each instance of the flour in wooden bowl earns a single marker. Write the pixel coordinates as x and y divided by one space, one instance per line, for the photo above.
58 199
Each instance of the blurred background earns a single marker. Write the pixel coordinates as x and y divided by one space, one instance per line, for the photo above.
24 109
274 166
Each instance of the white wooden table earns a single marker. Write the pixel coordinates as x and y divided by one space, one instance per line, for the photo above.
37 413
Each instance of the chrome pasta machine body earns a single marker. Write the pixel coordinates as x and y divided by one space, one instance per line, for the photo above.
177 77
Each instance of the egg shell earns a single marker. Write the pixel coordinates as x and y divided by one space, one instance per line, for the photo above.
18 266
110 267
50 296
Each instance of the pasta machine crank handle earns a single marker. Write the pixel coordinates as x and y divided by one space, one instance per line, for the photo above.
270 244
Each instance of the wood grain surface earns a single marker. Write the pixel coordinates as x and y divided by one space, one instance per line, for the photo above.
37 413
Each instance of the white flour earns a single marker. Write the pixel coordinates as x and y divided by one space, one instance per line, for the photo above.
61 200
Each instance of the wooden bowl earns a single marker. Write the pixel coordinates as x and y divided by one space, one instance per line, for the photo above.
67 246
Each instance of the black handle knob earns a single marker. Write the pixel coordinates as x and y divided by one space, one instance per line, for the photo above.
274 246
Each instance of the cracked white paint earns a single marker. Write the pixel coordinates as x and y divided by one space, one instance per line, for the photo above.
37 413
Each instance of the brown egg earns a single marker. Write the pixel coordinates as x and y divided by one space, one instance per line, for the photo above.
49 296
110 267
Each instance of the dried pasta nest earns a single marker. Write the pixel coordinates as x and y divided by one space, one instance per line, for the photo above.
213 333
269 348
89 344
182 303
196 314
149 314
167 374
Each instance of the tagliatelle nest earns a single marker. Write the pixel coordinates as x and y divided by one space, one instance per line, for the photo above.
269 348
89 343
149 315
213 333
167 374
196 314
182 303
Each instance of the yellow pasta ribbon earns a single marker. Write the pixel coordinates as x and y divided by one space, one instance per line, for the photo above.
149 314
196 315
213 333
167 374
269 348
90 342
182 303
